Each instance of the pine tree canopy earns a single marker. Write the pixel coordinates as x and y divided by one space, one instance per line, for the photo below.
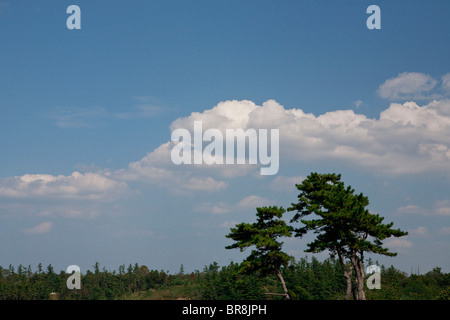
263 235
340 218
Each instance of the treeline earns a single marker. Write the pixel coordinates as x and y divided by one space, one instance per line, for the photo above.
309 279
23 284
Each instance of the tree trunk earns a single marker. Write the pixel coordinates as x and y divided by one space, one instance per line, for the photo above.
348 279
283 284
360 275
347 275
360 280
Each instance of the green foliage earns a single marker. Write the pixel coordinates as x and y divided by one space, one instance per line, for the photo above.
267 258
97 285
342 223
311 279
306 278
263 235
315 280
228 283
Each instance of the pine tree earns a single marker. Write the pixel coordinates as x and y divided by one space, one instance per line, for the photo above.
343 225
268 257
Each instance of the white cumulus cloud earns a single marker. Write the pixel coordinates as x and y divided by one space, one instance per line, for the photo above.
157 168
92 186
407 138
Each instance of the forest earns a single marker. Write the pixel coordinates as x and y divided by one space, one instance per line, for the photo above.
306 279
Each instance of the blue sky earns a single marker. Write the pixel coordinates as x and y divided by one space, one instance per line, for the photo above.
86 118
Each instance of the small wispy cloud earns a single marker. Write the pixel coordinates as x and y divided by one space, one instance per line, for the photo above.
446 82
357 103
217 208
411 209
146 107
442 207
228 224
42 228
207 184
285 184
76 117
249 202
143 111
420 232
414 85
399 243
439 208
253 201
444 230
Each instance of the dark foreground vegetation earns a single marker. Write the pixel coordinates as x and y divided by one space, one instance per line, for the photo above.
307 278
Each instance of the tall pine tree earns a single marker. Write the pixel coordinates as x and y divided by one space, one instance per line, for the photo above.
342 223
263 235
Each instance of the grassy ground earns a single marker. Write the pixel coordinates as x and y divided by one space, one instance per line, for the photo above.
181 292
